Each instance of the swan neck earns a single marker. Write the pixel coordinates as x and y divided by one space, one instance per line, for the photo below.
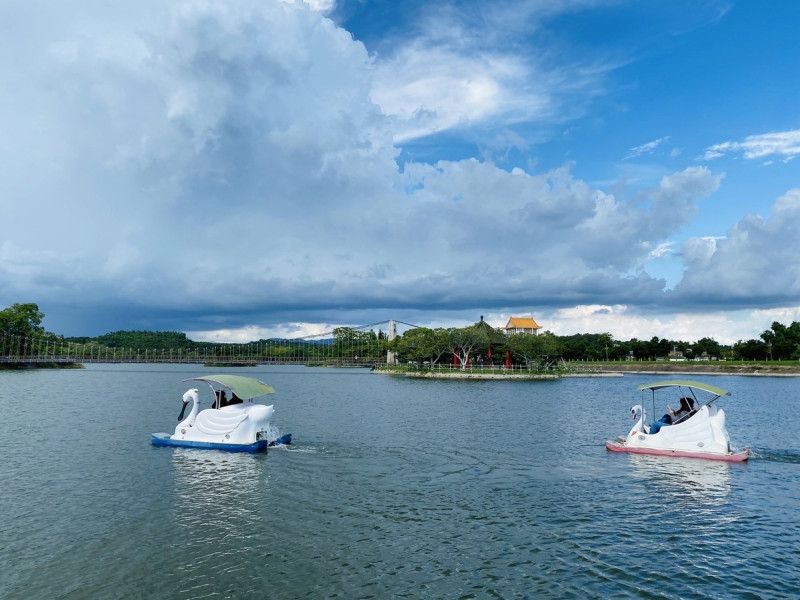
191 395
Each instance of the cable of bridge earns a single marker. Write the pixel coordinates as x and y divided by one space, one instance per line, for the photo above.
409 324
356 328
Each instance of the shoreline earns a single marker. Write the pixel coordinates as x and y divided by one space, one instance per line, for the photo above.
467 375
757 370
608 370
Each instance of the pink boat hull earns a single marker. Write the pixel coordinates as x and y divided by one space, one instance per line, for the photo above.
740 456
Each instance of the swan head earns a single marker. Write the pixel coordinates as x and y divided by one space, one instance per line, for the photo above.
636 411
190 395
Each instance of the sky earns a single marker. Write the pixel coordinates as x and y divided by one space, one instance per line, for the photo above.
245 169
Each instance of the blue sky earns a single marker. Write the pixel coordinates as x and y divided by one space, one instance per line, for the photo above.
254 168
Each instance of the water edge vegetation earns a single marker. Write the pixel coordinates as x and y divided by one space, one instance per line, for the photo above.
475 348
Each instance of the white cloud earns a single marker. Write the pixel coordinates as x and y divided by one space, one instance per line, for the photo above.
697 252
323 6
459 72
782 145
428 90
756 263
626 323
623 234
665 249
224 168
647 148
250 333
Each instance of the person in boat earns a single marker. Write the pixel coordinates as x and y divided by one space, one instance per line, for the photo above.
685 410
220 400
235 399
673 416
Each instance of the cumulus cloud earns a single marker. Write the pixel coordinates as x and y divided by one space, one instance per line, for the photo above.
455 72
754 264
428 90
324 6
625 322
623 233
231 168
781 145
230 160
249 333
218 128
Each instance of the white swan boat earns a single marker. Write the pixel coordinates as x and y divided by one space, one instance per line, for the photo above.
697 432
234 424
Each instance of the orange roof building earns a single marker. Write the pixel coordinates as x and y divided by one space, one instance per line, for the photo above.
522 325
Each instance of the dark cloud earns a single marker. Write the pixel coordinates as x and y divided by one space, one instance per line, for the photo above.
195 166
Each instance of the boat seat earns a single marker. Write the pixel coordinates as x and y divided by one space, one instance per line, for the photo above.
685 417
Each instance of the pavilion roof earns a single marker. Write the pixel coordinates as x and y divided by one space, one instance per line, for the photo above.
495 337
522 323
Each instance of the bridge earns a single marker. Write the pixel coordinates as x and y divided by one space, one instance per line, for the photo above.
358 346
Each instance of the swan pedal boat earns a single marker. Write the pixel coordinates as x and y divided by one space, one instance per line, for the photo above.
240 427
700 434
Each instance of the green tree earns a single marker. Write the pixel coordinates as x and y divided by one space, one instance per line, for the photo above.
707 345
782 341
466 340
551 344
414 345
750 350
142 340
582 346
422 344
527 347
24 320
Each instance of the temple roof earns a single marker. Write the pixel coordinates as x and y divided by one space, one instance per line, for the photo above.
522 323
495 336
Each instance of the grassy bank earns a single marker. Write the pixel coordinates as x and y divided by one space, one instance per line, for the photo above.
775 368
600 368
17 366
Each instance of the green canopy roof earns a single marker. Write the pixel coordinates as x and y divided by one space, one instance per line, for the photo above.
692 384
493 336
244 387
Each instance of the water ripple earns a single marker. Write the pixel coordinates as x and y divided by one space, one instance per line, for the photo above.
392 489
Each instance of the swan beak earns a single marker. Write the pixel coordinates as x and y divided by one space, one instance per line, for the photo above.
183 410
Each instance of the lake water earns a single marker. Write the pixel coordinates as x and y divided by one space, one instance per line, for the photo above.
393 488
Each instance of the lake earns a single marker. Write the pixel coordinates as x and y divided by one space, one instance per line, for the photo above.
393 488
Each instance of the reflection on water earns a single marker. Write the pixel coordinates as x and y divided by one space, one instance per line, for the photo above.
702 481
218 503
225 484
394 489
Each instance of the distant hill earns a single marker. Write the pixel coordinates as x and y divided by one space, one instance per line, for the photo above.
143 340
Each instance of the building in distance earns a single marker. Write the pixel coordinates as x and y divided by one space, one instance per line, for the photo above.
522 325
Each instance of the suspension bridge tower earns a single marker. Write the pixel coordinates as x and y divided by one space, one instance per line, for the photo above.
391 357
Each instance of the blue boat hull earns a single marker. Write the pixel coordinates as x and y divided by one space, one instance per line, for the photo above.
164 439
284 440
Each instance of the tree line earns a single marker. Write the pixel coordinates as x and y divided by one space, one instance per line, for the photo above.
478 344
483 345
22 335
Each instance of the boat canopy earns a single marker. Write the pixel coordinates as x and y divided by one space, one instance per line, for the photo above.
680 383
246 388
